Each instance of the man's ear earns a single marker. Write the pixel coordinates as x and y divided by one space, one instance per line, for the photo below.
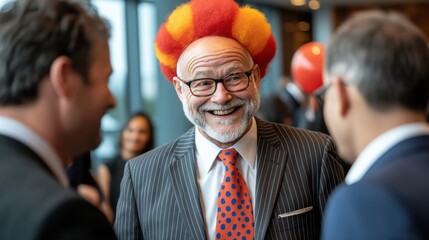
178 87
257 75
343 95
61 74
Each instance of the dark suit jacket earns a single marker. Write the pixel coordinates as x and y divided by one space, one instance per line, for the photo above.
389 202
295 169
34 205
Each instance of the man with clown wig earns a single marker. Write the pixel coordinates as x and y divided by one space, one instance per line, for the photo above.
232 175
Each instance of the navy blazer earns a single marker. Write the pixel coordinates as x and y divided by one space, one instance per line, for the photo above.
296 169
389 202
34 205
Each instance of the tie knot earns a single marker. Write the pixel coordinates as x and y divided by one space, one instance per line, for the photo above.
228 156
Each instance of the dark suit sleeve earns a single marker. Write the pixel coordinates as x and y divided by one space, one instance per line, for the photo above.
127 225
360 211
75 219
331 174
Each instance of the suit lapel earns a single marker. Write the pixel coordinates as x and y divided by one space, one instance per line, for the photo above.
270 171
184 182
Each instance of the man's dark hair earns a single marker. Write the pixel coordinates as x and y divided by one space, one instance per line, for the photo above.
33 33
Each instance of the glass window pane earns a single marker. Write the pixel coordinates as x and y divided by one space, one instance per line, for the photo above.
148 66
114 12
3 2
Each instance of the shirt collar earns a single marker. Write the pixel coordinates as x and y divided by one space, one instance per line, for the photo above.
373 151
16 130
246 147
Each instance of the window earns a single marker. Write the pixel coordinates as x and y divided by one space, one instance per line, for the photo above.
114 12
148 66
126 68
3 2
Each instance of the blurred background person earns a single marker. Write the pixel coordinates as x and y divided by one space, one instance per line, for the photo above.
274 109
54 72
82 179
295 104
136 137
79 171
377 90
307 73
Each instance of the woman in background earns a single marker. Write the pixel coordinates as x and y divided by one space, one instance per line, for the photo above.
136 138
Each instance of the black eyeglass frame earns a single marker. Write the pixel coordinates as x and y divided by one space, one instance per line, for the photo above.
319 94
216 81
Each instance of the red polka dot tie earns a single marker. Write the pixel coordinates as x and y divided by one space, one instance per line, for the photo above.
235 212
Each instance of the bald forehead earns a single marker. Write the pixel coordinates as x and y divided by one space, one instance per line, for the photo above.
212 50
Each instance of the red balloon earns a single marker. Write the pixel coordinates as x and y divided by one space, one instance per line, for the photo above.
307 67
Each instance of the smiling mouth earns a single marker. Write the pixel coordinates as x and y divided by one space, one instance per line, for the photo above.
223 112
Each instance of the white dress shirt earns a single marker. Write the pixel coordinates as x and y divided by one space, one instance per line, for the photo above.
16 130
380 145
210 172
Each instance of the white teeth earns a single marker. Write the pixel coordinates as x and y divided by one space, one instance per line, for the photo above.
224 112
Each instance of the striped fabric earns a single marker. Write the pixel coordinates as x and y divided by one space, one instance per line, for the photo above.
296 169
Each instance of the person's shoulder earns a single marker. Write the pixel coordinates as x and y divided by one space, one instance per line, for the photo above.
291 132
164 154
28 175
406 177
405 162
366 191
36 200
359 209
367 196
71 217
405 169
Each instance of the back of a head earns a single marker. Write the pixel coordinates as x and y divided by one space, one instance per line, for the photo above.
385 56
33 33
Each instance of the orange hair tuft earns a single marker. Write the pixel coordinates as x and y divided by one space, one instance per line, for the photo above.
200 18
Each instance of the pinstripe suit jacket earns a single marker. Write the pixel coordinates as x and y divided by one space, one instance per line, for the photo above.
296 169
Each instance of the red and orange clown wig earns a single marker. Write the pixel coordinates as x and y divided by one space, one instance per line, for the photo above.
200 18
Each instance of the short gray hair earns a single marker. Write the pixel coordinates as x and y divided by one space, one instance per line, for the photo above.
385 56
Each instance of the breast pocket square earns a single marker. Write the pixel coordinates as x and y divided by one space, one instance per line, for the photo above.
295 212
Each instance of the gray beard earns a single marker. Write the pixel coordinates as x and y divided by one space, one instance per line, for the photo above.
197 118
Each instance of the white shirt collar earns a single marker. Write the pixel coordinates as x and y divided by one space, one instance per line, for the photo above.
246 147
373 151
16 130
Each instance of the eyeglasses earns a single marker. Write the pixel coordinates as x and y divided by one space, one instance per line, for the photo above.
203 87
320 94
